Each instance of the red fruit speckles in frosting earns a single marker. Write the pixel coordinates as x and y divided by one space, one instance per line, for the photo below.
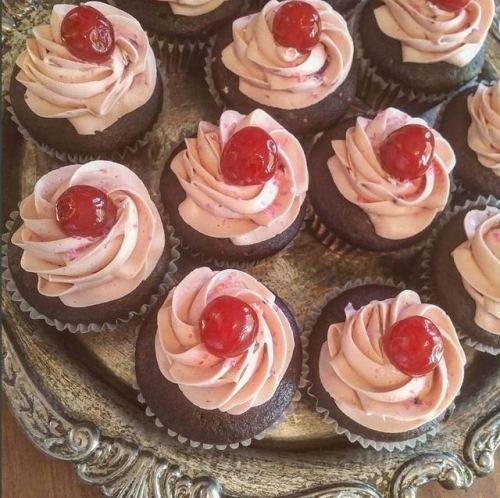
407 152
85 211
451 5
228 326
250 157
413 345
88 34
297 25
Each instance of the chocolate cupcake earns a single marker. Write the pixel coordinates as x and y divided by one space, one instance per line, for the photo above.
364 189
471 123
180 19
77 98
420 50
463 263
236 191
384 367
304 79
225 352
88 248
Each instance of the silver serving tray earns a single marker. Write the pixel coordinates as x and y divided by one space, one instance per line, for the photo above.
74 394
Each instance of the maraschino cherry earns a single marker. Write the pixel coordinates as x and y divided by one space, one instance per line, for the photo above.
451 5
87 34
413 345
228 326
85 211
406 153
297 25
249 157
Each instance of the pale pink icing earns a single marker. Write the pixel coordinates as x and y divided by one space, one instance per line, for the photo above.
83 271
282 77
244 214
91 96
193 7
397 209
429 34
232 385
484 131
478 262
366 387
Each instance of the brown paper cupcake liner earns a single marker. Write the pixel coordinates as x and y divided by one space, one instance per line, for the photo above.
118 155
309 324
34 314
425 281
209 75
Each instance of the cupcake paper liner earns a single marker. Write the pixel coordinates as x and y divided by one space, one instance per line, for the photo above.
309 324
209 75
426 287
233 446
118 155
34 314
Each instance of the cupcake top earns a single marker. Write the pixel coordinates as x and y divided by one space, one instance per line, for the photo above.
109 78
193 7
397 207
283 76
484 131
429 33
212 372
90 232
245 179
357 365
478 262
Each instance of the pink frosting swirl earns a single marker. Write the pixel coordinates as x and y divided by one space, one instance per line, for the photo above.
91 96
84 271
484 131
231 385
366 387
245 214
429 34
397 209
282 77
478 262
193 7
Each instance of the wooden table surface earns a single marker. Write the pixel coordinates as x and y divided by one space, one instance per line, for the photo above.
27 473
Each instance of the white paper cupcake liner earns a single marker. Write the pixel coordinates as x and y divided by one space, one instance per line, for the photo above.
379 92
425 281
309 324
34 314
233 446
118 155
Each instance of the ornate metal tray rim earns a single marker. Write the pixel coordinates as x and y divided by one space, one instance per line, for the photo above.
122 468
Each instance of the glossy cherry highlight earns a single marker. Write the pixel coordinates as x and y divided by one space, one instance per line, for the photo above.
297 25
250 157
451 5
88 34
228 326
414 345
406 153
85 211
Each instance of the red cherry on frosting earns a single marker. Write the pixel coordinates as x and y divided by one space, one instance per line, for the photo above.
249 157
413 345
297 25
407 152
85 211
451 5
228 326
88 34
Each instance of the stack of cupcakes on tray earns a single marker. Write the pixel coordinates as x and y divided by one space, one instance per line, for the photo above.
219 359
